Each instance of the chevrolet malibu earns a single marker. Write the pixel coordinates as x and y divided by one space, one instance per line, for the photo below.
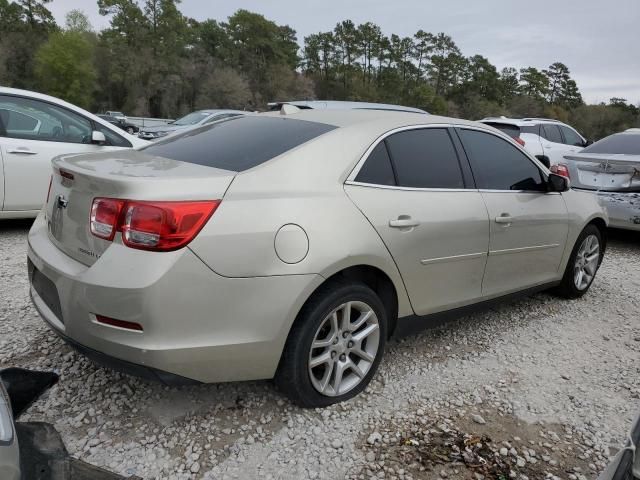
293 245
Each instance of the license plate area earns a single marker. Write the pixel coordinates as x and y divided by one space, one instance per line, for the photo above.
46 289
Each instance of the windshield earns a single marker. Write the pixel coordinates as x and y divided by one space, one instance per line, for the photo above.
192 118
620 143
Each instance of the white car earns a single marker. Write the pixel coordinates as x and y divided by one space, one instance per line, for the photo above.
35 128
548 140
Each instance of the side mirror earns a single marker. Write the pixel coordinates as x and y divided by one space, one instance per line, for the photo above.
587 143
558 183
544 160
98 138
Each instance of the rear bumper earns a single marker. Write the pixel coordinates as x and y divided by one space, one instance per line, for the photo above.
197 325
623 209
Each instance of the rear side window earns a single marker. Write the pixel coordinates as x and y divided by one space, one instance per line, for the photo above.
512 130
425 158
377 168
498 165
552 133
621 143
240 143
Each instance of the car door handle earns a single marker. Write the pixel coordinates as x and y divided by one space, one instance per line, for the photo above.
504 218
22 151
403 221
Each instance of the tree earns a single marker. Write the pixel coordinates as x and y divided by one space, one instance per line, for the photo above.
509 84
446 63
77 21
64 68
534 83
37 14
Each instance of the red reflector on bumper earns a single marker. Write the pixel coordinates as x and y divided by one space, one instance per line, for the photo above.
119 323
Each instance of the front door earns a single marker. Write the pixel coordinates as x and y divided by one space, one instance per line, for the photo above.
33 133
529 225
413 191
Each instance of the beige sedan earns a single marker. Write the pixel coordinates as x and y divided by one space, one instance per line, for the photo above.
293 245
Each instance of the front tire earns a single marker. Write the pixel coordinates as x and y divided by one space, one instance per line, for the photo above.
334 347
583 263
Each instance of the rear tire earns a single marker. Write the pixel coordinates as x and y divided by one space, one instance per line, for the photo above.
335 345
583 264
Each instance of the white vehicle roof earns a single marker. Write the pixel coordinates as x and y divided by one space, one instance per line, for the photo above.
135 141
521 122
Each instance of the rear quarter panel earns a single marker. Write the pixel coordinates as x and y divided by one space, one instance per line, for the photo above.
304 187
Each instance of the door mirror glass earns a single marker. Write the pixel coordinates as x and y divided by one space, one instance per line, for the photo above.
98 137
588 142
558 183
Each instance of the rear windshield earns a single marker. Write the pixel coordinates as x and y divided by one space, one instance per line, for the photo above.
512 130
239 143
621 143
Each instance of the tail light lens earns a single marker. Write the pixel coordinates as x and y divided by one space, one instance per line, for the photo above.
156 226
520 141
560 169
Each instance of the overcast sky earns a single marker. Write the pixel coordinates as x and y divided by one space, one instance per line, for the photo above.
598 40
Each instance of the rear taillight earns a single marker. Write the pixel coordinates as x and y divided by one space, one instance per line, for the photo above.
105 213
560 169
520 141
156 226
49 191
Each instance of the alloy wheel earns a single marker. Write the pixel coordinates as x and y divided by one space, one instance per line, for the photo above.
586 263
344 348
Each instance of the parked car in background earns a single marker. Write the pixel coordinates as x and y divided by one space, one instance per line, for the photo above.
611 168
118 115
548 140
34 128
340 105
298 244
128 127
193 119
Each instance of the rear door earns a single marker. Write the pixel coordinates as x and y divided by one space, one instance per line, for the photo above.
418 194
529 225
34 133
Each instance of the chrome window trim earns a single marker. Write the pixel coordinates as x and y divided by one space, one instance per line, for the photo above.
486 129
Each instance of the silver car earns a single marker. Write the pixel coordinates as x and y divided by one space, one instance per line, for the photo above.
193 119
293 246
610 168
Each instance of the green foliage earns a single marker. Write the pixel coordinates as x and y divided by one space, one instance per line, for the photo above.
152 60
64 68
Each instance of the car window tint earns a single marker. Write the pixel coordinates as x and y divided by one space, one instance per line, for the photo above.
37 120
238 143
552 133
498 165
512 130
621 143
571 137
112 137
377 168
425 158
533 129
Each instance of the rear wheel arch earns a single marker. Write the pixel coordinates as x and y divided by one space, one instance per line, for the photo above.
602 226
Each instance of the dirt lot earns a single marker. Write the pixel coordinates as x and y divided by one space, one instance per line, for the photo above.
539 388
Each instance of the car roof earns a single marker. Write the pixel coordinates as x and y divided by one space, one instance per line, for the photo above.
343 105
385 120
219 111
520 122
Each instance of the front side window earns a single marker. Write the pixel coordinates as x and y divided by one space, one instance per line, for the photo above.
571 137
552 133
425 158
30 119
498 165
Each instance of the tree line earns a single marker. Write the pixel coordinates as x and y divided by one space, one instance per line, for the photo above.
154 61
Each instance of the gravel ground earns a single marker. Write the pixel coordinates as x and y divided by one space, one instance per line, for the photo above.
545 388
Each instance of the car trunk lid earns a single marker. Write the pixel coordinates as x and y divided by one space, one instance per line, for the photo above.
605 172
131 175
